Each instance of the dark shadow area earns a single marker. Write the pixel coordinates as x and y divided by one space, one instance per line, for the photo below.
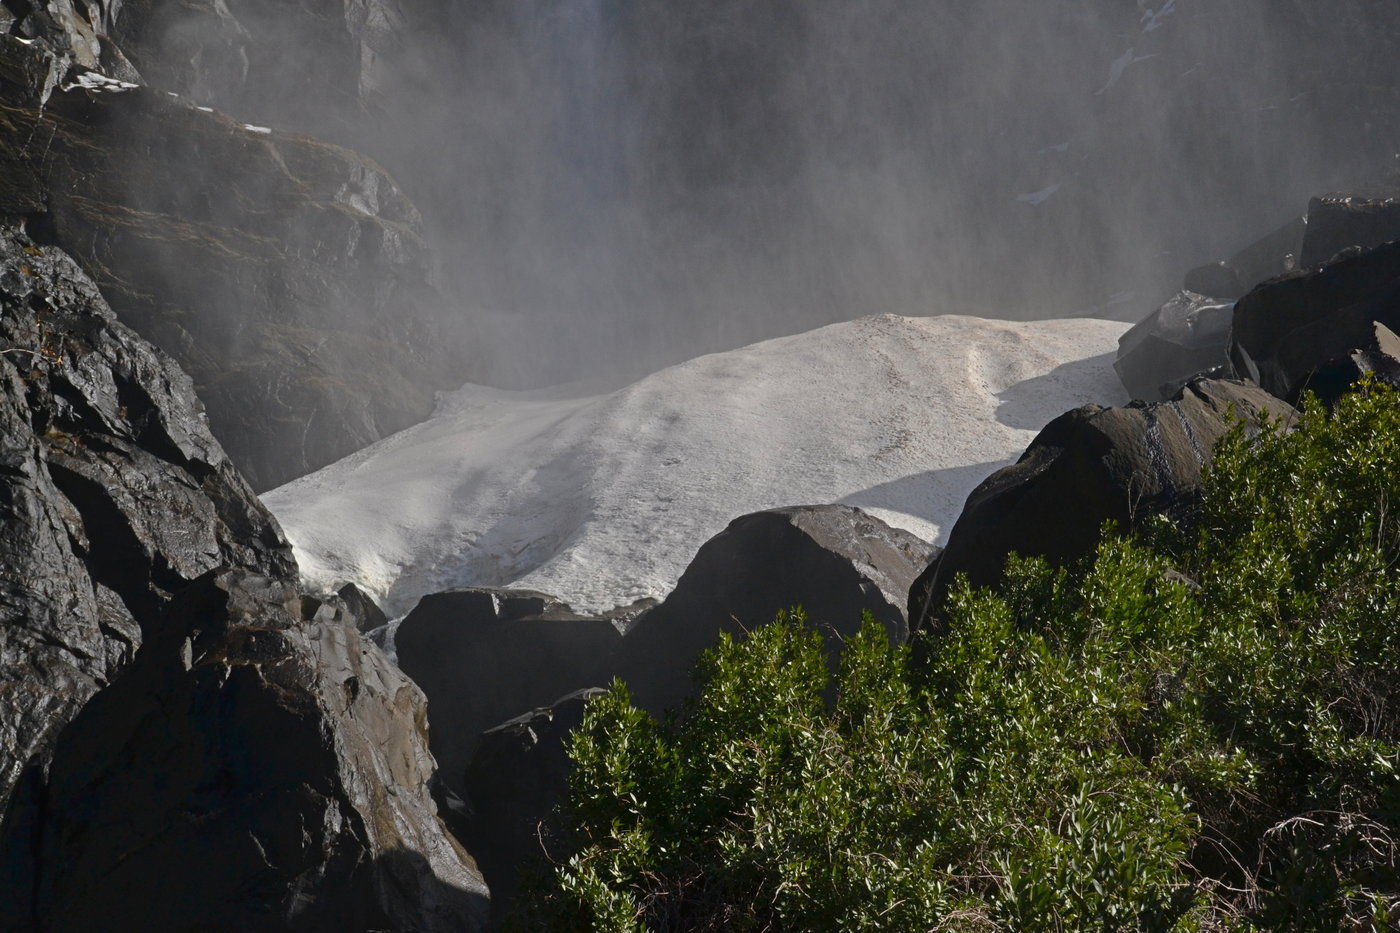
410 893
1031 404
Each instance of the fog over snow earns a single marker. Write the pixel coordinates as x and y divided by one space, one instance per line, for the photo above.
601 496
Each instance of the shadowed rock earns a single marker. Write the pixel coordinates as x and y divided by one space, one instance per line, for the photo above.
1340 221
1189 336
837 562
113 495
1266 258
517 779
507 672
1088 466
250 772
1286 329
484 655
180 750
1184 338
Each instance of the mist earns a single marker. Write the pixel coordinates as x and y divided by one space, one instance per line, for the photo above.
615 185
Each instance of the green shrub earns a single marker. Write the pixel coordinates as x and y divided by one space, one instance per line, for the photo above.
1195 730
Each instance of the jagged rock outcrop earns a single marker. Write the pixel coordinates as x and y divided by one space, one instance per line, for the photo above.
1343 220
114 496
1189 335
267 774
60 36
1286 330
180 750
289 277
1088 466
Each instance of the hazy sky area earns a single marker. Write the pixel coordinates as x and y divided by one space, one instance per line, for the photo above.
613 185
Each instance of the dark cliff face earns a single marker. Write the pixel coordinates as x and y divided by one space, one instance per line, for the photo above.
179 749
289 276
114 496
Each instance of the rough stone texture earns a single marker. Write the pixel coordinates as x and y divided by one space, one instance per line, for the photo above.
289 277
180 750
113 495
271 775
1185 337
1088 466
63 35
1284 330
1355 218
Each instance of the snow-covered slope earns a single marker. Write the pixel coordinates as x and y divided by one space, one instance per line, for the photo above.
602 498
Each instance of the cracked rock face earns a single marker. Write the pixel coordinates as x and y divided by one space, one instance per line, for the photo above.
114 496
288 276
180 749
1088 466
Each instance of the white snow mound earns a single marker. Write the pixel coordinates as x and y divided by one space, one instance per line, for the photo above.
602 498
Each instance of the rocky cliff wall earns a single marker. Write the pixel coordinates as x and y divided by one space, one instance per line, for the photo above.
179 748
289 276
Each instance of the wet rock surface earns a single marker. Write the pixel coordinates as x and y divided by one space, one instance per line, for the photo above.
1088 466
271 774
1285 330
1187 336
114 496
180 749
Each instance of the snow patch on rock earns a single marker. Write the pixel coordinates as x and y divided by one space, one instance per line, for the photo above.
602 495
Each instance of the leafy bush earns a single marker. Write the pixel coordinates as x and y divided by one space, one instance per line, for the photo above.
1197 729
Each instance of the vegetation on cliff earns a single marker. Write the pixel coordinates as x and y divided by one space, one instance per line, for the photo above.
1198 728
